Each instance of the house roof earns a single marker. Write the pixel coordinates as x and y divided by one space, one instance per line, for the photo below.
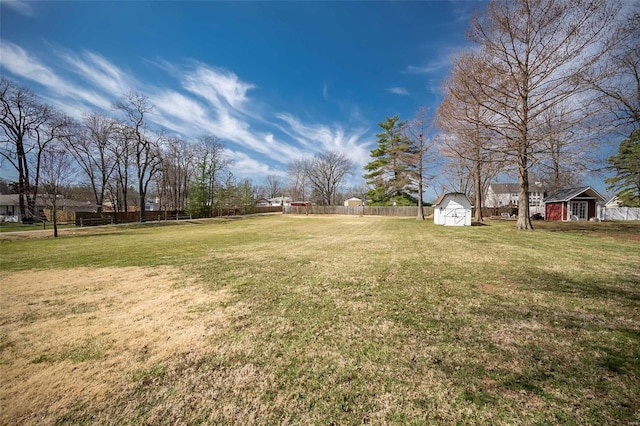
613 202
9 200
571 193
504 188
42 201
443 196
510 188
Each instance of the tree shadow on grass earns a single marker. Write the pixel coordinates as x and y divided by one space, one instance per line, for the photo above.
623 288
576 349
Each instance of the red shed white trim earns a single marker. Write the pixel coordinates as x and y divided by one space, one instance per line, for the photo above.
572 204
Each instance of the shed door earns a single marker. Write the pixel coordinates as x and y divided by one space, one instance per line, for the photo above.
454 217
579 209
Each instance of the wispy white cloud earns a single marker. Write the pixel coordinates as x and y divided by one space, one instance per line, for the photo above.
250 167
97 70
18 62
463 11
190 118
325 91
23 7
319 137
398 91
430 68
218 86
179 113
205 101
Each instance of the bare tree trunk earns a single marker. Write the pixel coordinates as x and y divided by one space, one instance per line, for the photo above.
477 178
420 203
54 217
524 218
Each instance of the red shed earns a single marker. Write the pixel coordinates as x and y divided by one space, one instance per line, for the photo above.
572 204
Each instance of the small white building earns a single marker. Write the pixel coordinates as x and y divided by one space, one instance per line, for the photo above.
452 209
353 202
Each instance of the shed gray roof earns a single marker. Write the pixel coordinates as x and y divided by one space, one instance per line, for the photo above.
571 193
443 196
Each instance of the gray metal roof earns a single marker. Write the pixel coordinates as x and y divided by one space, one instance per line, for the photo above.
571 193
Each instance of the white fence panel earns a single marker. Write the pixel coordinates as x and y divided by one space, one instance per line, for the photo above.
620 213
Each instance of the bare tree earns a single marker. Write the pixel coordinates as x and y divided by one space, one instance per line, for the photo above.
91 143
28 126
56 172
467 138
567 149
540 48
273 186
297 172
122 152
327 171
178 167
419 133
146 148
210 162
616 78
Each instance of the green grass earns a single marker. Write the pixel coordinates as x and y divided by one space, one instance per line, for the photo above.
351 320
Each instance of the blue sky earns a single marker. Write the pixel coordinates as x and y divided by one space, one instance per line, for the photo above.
274 80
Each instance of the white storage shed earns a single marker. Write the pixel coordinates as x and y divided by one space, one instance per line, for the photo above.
452 209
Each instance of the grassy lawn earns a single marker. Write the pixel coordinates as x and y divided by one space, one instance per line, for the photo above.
322 320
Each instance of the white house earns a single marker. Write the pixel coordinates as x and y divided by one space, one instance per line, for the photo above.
452 209
506 194
613 203
280 201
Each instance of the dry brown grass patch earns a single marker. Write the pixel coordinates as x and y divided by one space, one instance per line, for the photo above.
70 335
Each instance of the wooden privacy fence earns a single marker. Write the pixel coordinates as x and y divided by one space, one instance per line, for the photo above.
106 218
359 210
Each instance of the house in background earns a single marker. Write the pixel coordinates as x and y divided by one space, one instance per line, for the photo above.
280 201
262 202
353 202
452 209
506 195
10 207
613 203
152 205
573 204
614 209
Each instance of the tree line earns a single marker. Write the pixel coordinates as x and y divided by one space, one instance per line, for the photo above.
121 159
543 84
